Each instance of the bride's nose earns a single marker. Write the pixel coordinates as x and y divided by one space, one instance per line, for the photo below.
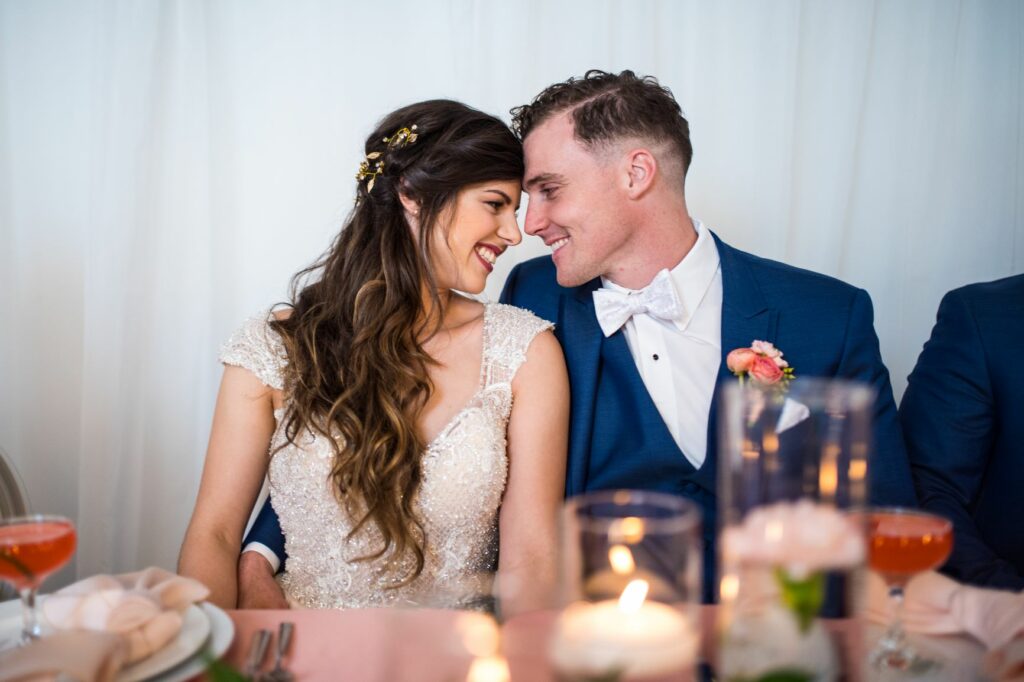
508 230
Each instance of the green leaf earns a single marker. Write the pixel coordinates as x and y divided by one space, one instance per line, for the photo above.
613 675
219 671
803 597
786 676
780 675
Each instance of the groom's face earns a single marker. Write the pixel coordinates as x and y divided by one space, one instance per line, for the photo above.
576 202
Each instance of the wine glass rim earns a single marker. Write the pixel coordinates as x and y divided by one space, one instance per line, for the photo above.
36 518
906 511
685 514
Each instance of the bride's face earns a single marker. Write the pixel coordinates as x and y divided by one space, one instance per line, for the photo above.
482 224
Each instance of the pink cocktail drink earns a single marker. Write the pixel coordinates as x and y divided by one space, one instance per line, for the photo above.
903 544
30 551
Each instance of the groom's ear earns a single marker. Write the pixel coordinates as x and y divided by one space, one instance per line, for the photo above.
640 168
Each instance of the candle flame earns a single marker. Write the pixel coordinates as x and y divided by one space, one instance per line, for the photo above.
828 478
489 669
633 596
628 530
730 587
479 633
858 469
621 559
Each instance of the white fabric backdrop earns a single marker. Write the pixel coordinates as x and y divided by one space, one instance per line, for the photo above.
166 166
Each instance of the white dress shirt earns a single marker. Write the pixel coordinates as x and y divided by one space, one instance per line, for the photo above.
678 361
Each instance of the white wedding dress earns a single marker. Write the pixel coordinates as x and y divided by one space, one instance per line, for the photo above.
463 479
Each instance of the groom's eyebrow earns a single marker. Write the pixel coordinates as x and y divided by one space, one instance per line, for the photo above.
543 177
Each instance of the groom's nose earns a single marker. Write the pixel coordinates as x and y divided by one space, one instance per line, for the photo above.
535 220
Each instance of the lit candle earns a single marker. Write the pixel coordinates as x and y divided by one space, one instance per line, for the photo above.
630 635
489 669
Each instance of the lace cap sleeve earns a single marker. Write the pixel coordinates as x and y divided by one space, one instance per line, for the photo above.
509 332
257 348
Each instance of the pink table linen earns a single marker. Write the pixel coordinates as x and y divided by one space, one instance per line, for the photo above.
399 645
364 645
394 645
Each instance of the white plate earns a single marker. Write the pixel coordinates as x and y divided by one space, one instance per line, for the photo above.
221 635
195 631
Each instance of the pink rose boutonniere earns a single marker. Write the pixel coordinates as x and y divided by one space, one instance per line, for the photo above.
762 363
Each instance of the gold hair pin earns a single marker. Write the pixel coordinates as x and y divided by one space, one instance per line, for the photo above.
373 164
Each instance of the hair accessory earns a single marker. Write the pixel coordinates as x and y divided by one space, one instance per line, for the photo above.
373 164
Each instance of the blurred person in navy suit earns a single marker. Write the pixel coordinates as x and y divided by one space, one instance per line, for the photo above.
963 420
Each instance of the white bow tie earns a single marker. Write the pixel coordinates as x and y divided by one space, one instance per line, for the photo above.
658 299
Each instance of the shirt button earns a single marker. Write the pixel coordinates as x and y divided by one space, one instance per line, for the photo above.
655 356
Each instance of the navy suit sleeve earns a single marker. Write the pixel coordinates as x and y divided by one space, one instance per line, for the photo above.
508 291
948 418
266 530
890 481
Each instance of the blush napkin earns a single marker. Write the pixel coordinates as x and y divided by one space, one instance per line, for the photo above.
144 610
936 605
77 655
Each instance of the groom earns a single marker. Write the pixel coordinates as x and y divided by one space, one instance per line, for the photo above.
647 302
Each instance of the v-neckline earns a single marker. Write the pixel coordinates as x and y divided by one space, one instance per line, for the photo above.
481 386
481 383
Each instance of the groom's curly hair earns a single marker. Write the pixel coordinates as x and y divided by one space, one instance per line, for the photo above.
607 107
357 369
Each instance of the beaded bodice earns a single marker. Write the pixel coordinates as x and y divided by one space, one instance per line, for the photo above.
463 479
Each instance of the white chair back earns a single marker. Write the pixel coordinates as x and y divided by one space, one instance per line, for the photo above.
13 502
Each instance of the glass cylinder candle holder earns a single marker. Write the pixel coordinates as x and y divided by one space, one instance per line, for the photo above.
792 480
630 587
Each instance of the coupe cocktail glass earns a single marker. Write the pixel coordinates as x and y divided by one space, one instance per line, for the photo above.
31 548
903 543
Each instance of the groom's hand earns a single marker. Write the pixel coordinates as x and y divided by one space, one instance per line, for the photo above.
257 588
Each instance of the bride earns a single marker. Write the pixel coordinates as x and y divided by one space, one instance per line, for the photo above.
409 432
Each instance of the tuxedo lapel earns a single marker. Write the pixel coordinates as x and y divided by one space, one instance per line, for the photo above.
581 337
746 316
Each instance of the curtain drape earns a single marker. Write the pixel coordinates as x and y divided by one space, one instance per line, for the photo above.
166 166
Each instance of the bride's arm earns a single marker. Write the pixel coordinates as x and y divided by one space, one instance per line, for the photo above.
538 433
236 461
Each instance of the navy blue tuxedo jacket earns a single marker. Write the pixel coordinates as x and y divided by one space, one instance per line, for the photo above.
963 418
617 438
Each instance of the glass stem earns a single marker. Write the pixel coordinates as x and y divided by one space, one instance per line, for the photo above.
895 637
30 629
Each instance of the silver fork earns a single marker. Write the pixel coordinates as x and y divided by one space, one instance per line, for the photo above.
257 650
284 638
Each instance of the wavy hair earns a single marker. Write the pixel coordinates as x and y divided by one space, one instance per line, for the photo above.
357 369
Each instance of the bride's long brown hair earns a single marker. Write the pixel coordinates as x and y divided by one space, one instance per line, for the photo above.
357 370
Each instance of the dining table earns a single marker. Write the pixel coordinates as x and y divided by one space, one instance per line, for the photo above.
426 645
